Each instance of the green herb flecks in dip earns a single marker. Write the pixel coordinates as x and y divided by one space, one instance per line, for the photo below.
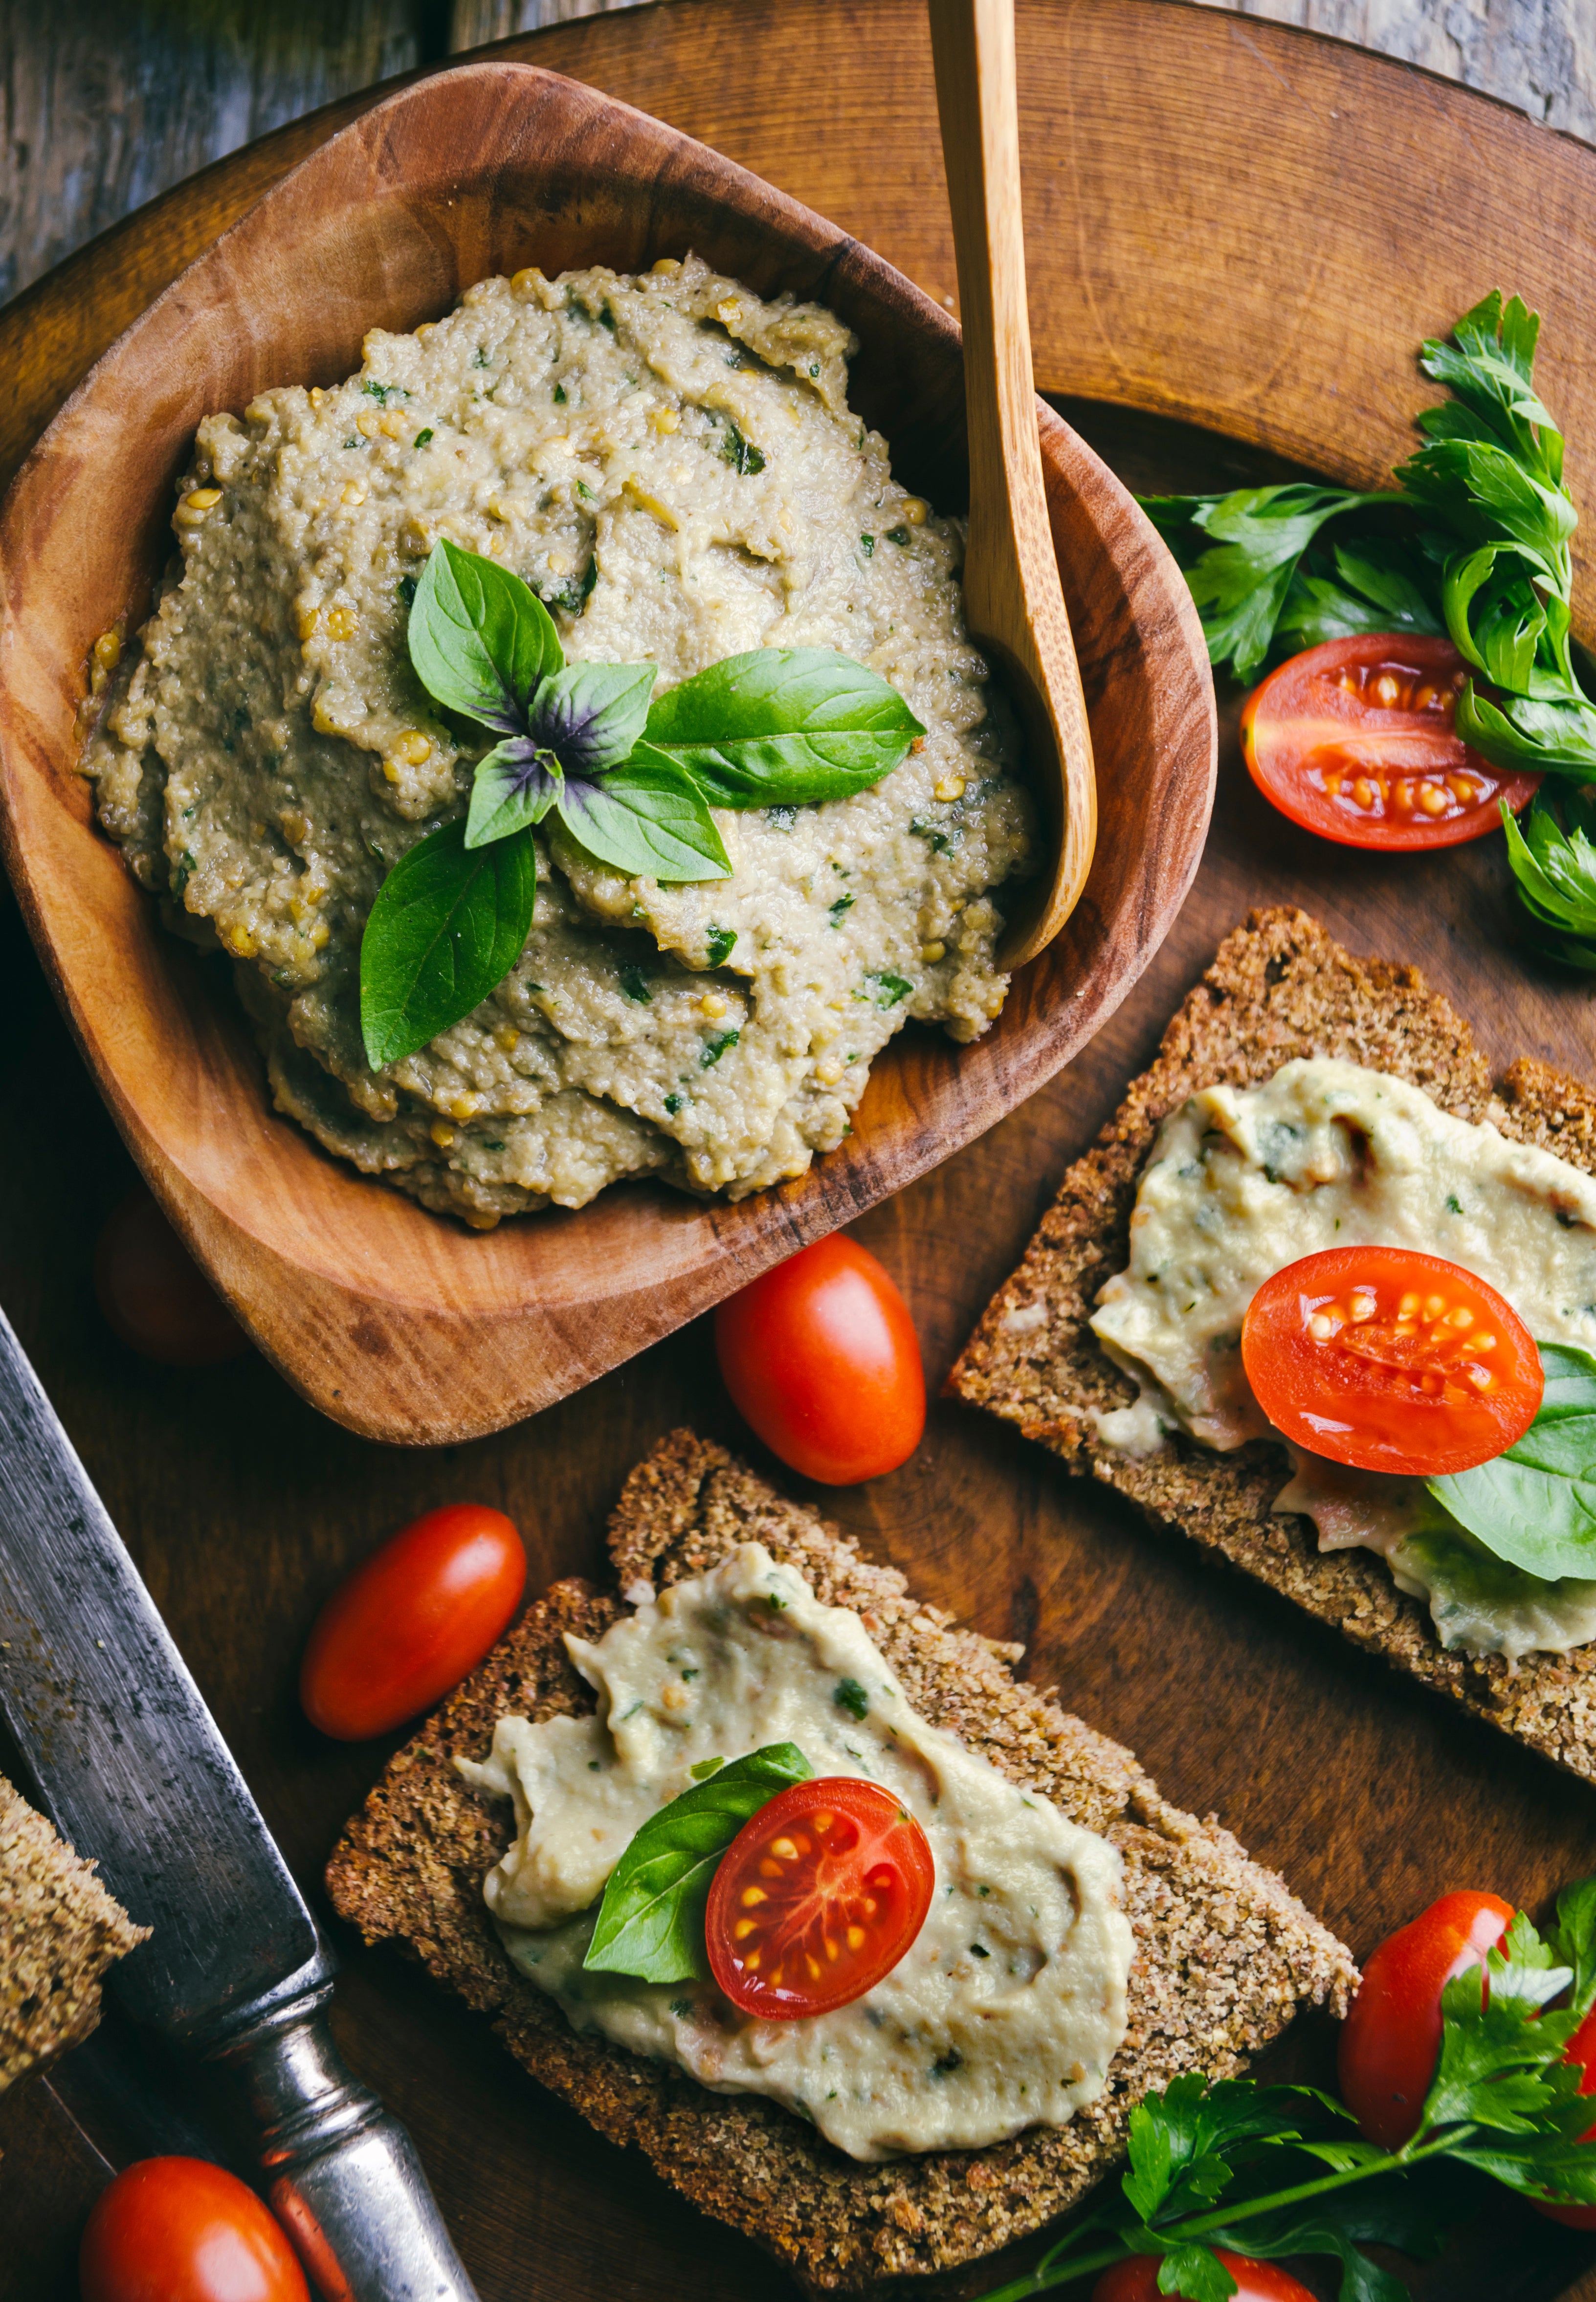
274 755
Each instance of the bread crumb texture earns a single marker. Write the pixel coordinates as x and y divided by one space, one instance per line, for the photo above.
1279 988
59 1931
1224 1957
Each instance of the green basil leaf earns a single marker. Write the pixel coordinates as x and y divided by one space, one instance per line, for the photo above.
480 638
447 926
792 725
651 1919
513 786
1536 1505
590 715
645 820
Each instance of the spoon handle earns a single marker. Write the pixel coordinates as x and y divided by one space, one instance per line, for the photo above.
972 42
1011 592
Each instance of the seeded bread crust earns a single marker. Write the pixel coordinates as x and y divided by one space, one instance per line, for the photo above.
59 1931
1280 988
1225 1958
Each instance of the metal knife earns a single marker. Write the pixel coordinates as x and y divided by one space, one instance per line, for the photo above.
132 1769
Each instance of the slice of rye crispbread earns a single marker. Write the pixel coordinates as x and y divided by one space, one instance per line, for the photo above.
1279 988
1225 1956
59 1931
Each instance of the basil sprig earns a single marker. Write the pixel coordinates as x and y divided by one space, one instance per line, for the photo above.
631 777
651 1919
1534 1505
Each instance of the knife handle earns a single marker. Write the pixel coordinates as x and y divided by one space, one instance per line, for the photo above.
343 2177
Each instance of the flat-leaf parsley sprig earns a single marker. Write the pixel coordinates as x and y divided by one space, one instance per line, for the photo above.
631 777
1229 2163
1474 542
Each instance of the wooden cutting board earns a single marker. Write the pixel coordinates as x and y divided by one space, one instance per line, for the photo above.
1227 222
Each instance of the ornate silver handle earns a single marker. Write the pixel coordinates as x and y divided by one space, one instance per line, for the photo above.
343 2175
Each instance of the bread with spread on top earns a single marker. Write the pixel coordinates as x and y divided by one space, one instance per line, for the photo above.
1279 988
59 1931
1225 1956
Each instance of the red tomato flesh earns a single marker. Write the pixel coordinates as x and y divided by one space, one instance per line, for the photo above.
180 2230
1390 1360
1355 740
817 1898
1391 2040
1581 2050
155 1295
1137 2280
821 1358
409 1624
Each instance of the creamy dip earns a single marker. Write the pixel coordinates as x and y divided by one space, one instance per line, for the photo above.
1326 1154
1007 2009
671 462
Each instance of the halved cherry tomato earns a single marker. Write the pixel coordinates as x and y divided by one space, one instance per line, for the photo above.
1137 2280
1355 740
180 2230
1391 2040
153 1293
408 1624
817 1898
1581 2049
1390 1360
821 1356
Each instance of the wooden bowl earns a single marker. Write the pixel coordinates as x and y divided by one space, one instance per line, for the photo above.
401 1324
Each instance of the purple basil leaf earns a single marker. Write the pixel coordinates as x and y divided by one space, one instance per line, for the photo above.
590 714
515 785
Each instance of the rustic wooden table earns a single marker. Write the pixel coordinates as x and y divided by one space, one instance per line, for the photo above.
105 108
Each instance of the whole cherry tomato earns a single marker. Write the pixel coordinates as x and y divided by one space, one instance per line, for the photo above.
1355 740
1391 2038
817 1898
1137 2280
821 1357
180 2230
1581 2049
409 1624
153 1293
1391 1360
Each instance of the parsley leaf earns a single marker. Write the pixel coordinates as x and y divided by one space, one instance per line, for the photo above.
1554 869
1503 2103
1475 542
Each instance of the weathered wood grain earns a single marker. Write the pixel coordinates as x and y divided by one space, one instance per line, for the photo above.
1539 55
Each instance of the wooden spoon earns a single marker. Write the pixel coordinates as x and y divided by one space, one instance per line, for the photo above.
1013 599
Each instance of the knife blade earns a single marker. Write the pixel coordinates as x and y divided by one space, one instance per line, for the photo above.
133 1768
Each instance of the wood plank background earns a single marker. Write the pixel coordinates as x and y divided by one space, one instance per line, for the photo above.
106 102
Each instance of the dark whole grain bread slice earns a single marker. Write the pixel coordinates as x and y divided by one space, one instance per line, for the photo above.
1279 988
1224 1957
59 1931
